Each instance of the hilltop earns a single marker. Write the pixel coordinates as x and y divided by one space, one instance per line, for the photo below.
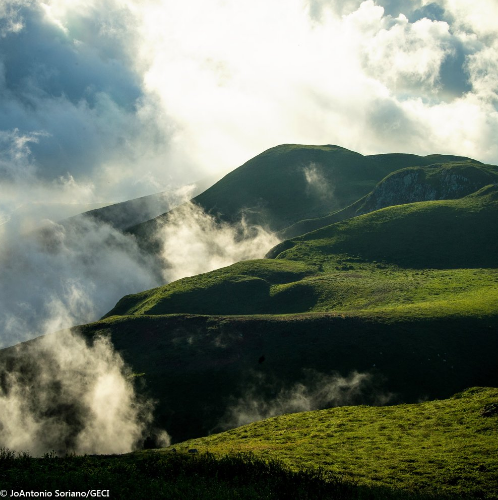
291 182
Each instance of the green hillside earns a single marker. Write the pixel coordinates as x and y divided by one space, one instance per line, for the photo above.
407 294
406 259
439 181
447 446
440 234
272 189
392 299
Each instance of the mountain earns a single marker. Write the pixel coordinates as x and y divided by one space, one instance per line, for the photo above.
404 295
291 182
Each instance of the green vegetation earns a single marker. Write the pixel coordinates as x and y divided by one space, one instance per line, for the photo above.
446 446
406 293
439 181
402 260
436 234
271 189
172 476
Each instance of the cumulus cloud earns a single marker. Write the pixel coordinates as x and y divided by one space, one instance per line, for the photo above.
316 391
71 83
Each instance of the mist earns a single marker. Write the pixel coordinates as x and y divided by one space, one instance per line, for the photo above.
265 398
84 267
316 182
194 242
65 395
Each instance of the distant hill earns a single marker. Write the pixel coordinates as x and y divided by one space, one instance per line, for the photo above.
127 214
438 234
289 183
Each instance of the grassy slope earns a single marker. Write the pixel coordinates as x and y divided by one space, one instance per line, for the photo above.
373 263
439 181
445 445
270 189
324 304
443 234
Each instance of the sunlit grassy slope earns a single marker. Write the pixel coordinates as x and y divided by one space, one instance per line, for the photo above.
438 446
427 259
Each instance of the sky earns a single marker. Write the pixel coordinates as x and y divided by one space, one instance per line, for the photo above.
107 100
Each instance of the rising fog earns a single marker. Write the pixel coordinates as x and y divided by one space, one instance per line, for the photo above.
63 395
316 391
194 242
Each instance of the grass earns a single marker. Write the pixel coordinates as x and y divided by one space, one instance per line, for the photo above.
436 234
427 259
439 181
350 287
406 295
172 476
444 446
